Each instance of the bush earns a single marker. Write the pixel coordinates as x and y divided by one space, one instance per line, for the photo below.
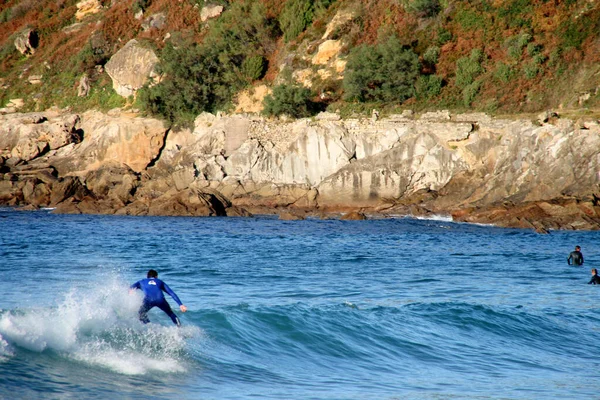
424 8
290 100
470 20
297 15
193 83
516 13
254 67
469 68
385 72
428 86
534 49
431 55
470 92
205 77
515 45
443 36
503 73
531 70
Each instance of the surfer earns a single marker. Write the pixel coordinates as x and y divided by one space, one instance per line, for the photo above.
576 257
153 289
595 278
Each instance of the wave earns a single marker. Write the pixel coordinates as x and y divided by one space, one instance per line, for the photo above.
98 327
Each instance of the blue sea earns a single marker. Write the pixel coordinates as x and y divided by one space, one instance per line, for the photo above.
394 308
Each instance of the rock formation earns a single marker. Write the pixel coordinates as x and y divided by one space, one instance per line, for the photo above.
27 41
538 175
131 67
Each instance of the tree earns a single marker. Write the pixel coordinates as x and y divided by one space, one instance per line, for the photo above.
385 72
290 100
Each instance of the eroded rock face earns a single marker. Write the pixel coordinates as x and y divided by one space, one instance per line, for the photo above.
131 67
134 142
477 169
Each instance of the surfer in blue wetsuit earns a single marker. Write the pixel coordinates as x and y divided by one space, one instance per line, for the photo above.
153 289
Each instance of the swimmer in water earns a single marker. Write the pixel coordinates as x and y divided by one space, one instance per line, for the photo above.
576 257
153 289
595 278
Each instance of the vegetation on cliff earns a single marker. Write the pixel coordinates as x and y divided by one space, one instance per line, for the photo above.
487 55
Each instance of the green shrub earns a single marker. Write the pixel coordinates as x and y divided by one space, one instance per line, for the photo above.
431 55
443 36
470 20
503 73
469 68
515 45
470 92
573 34
385 72
291 100
5 16
206 77
254 67
428 86
297 15
516 13
424 8
534 49
532 69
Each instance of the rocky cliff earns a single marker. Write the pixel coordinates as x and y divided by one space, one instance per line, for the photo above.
541 174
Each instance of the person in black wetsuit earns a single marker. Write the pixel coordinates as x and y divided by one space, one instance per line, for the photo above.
153 289
595 278
576 257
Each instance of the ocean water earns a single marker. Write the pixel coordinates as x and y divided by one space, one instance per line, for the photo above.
315 309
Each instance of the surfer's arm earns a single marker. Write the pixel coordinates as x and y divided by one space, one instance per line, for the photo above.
135 286
171 293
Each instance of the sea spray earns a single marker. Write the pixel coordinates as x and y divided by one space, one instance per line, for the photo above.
97 326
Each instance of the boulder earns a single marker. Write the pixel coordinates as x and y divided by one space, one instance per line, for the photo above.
87 7
36 193
353 216
290 216
131 67
35 79
154 21
27 41
28 136
65 188
84 86
210 11
328 50
113 181
189 202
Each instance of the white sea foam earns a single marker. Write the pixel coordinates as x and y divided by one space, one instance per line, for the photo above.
98 326
435 217
5 351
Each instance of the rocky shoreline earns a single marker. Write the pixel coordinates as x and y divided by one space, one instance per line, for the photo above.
540 174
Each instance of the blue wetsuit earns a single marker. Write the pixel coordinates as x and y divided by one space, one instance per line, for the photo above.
153 289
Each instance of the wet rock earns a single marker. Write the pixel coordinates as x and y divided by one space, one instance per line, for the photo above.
290 216
189 202
353 216
113 181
